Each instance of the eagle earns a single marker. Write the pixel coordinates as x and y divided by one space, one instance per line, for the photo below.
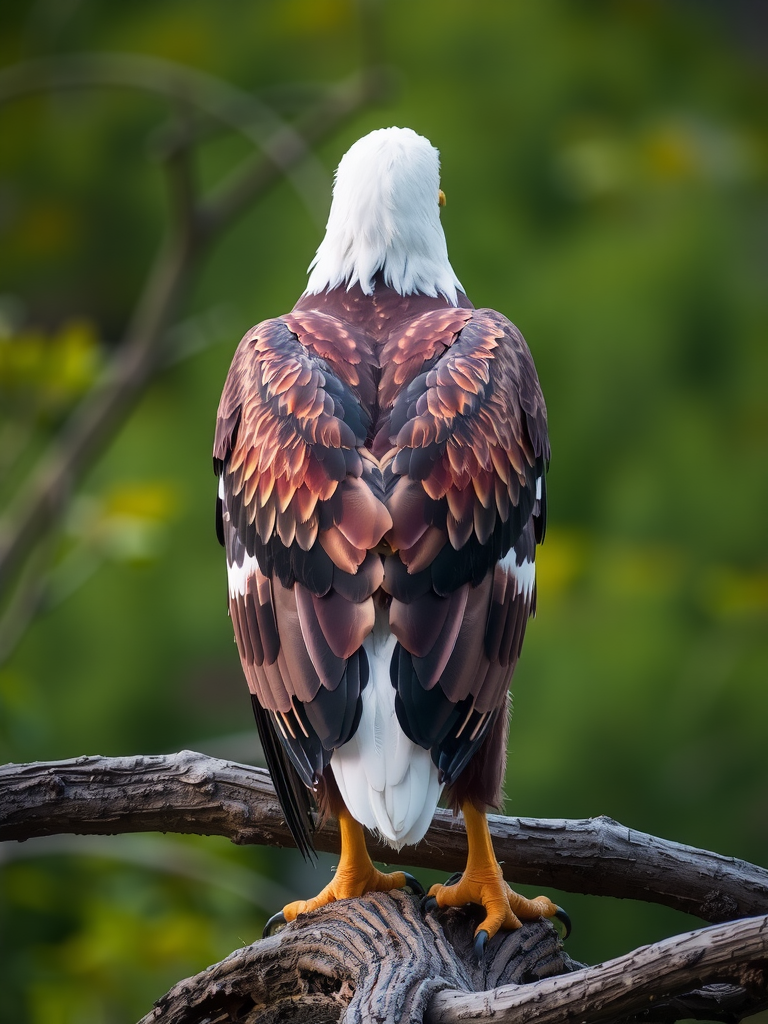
381 453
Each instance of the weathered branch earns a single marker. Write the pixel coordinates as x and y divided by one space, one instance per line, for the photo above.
190 792
379 958
373 959
630 985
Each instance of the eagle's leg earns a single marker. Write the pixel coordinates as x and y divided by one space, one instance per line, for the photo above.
355 874
483 883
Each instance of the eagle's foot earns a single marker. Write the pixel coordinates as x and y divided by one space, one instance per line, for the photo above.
483 883
504 908
355 874
377 881
347 885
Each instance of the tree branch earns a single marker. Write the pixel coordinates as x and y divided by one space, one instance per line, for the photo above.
141 353
217 99
289 146
188 792
92 426
630 985
379 958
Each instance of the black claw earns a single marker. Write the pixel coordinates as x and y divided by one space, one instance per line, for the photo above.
455 877
564 920
274 924
428 905
414 885
481 941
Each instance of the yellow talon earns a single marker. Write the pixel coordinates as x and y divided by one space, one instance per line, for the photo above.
483 883
354 876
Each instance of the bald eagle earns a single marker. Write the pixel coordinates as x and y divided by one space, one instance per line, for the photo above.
381 454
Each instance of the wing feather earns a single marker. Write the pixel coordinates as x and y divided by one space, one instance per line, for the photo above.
466 493
417 470
300 507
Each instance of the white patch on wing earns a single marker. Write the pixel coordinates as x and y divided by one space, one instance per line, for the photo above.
389 783
538 488
237 575
525 574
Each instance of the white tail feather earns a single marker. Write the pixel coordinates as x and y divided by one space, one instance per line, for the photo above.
388 783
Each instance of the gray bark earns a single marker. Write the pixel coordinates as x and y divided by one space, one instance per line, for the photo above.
188 792
380 958
373 959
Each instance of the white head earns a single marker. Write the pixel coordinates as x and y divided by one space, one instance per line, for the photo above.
385 216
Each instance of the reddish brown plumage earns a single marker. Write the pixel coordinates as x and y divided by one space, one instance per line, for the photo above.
383 451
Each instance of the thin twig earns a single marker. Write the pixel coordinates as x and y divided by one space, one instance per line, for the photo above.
74 450
102 412
216 98
287 148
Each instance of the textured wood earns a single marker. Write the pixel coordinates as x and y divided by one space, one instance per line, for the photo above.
379 959
372 959
188 792
634 984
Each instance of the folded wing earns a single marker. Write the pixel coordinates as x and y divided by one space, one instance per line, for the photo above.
465 452
300 506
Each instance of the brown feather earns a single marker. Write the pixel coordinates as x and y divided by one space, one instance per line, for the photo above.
252 623
306 533
286 526
345 624
423 552
433 664
458 532
365 519
300 676
340 551
407 510
418 624
356 426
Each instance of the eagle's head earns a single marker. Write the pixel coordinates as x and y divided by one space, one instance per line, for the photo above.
385 216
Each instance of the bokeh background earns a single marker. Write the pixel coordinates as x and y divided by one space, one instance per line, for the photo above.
605 166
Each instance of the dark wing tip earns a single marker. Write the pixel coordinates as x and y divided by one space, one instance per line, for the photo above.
291 792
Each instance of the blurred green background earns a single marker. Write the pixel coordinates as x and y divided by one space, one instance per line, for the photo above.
605 167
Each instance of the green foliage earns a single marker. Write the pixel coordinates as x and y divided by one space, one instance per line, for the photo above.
605 168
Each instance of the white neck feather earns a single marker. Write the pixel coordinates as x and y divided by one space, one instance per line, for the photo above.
385 217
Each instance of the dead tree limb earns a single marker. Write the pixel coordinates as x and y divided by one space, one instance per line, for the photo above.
373 959
380 959
192 793
636 984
